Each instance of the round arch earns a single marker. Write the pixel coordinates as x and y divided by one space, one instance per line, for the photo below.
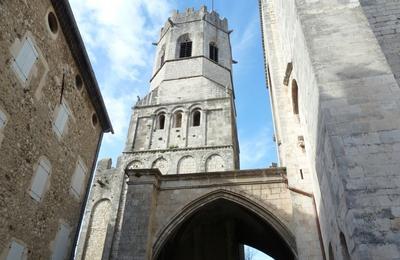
134 164
195 106
161 164
214 162
160 110
164 234
97 230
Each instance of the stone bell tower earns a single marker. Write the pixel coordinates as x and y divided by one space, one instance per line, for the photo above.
187 124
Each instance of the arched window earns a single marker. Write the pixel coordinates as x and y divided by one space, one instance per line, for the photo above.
213 52
345 249
178 120
98 230
196 118
185 46
215 163
186 164
136 164
161 164
161 121
295 97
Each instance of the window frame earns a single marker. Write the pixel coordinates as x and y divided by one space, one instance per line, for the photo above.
61 242
194 121
79 174
213 52
3 119
61 108
45 165
176 114
186 49
20 247
25 60
161 120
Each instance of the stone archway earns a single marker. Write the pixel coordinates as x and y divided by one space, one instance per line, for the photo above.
217 224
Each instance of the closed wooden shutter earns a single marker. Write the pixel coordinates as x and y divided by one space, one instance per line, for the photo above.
78 179
61 120
25 59
213 52
61 243
16 252
3 119
40 180
186 50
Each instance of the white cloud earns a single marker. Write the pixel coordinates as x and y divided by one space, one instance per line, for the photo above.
118 36
122 30
246 39
257 149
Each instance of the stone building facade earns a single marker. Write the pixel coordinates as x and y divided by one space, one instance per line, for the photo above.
333 70
52 119
180 167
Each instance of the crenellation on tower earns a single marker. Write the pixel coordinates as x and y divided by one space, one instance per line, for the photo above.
191 15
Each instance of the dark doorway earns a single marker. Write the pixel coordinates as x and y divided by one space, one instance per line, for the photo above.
219 230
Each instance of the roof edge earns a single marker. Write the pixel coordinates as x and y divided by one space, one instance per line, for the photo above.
74 40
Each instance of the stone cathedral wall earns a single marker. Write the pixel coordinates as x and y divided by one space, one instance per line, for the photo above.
30 216
345 65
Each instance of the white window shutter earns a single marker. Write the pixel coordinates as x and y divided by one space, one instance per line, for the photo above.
16 251
40 180
3 119
61 243
77 180
25 59
61 120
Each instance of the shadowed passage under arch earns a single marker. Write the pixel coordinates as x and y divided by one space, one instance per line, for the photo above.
218 230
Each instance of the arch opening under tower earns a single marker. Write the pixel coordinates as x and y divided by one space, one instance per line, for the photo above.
219 230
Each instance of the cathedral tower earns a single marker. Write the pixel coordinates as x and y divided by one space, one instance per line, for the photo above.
186 124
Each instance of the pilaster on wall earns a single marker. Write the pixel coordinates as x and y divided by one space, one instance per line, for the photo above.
135 237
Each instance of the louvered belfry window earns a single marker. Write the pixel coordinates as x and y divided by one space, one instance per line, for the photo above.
186 49
213 52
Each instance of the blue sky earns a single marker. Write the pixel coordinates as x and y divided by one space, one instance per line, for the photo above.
118 36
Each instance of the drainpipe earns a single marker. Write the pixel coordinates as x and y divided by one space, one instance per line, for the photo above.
310 195
85 200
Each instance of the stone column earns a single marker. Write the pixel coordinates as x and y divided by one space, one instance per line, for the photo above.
135 241
153 126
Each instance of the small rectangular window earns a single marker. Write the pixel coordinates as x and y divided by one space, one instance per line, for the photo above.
17 251
61 243
186 50
61 120
78 180
39 181
213 53
25 59
3 119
